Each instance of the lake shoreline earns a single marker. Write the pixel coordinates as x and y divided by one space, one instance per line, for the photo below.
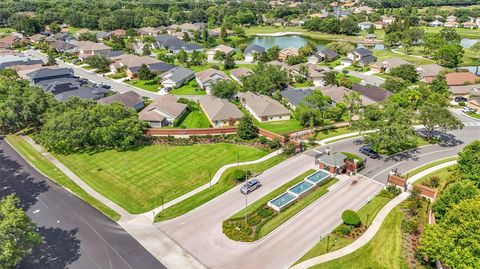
280 34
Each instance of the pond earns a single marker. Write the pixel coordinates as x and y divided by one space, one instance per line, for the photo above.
295 41
468 42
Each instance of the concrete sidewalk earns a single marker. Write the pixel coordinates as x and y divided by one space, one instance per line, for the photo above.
374 227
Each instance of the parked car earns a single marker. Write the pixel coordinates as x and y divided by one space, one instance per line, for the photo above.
459 99
168 89
369 152
250 186
467 109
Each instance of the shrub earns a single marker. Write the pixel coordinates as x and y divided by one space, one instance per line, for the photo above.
262 140
393 190
434 181
351 217
274 144
239 175
343 229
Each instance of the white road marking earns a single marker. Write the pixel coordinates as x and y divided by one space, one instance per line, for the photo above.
36 211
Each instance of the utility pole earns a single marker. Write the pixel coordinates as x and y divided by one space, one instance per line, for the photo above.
368 215
328 241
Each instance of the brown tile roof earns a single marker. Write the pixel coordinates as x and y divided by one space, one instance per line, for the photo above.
207 74
460 78
239 72
131 60
263 105
219 109
165 105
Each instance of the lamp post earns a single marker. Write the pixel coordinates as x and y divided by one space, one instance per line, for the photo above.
246 195
328 241
368 215
162 205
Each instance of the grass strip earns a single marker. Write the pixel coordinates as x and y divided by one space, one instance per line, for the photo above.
51 171
226 182
428 165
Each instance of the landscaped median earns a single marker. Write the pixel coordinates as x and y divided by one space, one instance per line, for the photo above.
48 169
262 219
230 178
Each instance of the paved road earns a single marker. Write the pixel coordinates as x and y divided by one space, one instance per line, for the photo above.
200 233
90 75
368 79
76 235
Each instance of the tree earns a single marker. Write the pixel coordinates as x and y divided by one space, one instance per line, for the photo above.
182 56
197 37
146 50
272 53
407 72
450 35
341 47
469 161
354 103
476 52
228 63
371 29
265 79
223 32
88 36
452 195
17 233
439 85
225 89
186 37
449 55
51 60
144 73
295 59
246 129
308 49
454 239
395 85
99 62
330 78
205 34
433 116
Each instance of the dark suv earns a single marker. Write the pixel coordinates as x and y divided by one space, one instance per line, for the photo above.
369 152
250 186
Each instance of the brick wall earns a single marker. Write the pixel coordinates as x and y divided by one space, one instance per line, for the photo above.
190 132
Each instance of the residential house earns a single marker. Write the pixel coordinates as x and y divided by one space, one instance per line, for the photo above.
428 72
360 57
435 23
340 13
118 33
461 78
315 73
379 25
363 9
465 90
286 52
295 97
176 77
148 31
61 46
89 48
101 36
365 25
37 38
222 48
388 64
58 37
251 52
131 64
374 93
238 73
128 99
263 108
8 41
469 25
167 42
451 18
63 84
388 19
19 62
187 47
163 111
451 24
207 78
328 55
218 31
337 95
369 40
220 112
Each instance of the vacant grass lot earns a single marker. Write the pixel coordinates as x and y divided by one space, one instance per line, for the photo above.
226 182
188 89
383 251
145 85
47 168
386 54
336 242
138 179
195 118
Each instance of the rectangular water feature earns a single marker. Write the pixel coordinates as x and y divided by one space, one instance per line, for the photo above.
281 201
317 177
301 188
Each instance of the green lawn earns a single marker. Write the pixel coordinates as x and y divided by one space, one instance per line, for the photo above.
386 54
138 179
226 182
383 251
6 30
312 34
47 168
443 174
336 242
195 119
429 165
302 85
340 75
463 32
189 89
327 133
475 115
281 127
145 85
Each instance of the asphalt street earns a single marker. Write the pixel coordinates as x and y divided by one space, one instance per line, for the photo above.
76 235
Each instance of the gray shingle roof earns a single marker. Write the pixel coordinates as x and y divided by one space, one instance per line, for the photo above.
219 109
128 99
178 74
336 160
254 48
363 52
49 72
296 96
375 93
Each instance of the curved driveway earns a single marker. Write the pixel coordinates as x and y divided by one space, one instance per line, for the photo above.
200 231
